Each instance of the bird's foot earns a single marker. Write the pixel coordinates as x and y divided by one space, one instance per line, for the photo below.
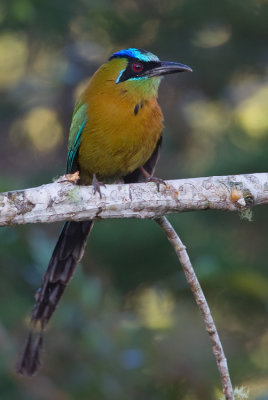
96 185
157 181
150 178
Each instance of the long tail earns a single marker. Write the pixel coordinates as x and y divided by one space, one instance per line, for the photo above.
68 251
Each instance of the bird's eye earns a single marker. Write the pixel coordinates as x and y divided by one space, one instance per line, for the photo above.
137 67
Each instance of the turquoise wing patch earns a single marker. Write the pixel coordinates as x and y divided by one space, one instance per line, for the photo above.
73 150
78 123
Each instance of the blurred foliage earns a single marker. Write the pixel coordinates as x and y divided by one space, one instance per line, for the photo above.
127 327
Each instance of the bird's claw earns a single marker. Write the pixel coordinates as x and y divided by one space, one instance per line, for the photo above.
96 185
150 178
157 181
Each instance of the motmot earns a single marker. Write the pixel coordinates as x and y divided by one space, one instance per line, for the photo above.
115 134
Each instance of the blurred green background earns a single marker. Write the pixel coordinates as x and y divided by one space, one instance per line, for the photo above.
128 327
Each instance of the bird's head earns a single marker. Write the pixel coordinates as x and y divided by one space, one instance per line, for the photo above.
139 70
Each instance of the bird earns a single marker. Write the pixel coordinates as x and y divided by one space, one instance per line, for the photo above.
115 135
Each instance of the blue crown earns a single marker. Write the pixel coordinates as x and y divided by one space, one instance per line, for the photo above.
140 54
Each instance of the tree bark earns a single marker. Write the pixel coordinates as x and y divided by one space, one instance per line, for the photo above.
63 200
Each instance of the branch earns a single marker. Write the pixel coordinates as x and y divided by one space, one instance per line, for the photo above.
62 200
200 299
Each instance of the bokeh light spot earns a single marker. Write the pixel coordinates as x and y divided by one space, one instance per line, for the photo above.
207 116
260 355
40 128
13 60
132 358
212 36
155 308
252 113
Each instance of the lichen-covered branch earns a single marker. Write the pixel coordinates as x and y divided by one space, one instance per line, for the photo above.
64 200
200 299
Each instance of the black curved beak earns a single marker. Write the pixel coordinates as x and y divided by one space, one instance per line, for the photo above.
165 68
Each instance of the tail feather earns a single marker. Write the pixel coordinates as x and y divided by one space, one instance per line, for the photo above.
68 252
30 358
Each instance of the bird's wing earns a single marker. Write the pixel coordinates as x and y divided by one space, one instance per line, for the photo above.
149 166
78 123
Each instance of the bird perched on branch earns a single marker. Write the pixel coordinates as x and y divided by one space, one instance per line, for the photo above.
116 133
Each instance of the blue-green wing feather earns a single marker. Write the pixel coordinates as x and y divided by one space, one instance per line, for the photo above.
79 120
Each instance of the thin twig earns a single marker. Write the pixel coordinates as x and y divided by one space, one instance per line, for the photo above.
200 299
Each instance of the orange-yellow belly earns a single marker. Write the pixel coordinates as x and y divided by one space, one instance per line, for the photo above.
118 138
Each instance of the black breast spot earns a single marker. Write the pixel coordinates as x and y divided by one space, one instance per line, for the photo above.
136 109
